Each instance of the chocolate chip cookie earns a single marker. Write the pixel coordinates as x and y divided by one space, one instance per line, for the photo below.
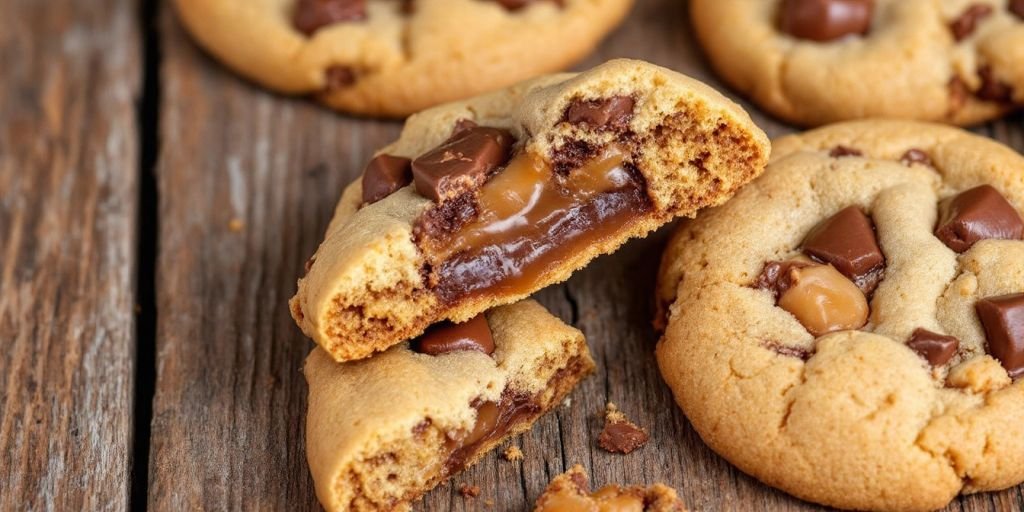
813 62
485 201
570 492
396 57
383 431
850 327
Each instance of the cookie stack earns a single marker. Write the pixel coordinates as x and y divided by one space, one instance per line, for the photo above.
429 356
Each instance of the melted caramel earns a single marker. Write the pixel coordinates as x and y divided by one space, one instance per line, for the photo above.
530 220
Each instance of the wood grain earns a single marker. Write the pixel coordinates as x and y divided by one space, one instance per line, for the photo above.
68 177
247 182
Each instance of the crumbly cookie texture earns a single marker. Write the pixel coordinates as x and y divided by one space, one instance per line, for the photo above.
813 62
396 57
680 146
381 432
889 414
570 492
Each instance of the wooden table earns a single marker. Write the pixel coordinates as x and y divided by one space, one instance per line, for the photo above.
155 213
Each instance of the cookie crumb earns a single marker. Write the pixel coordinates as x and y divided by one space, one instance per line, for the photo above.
619 434
567 402
469 491
489 502
513 453
235 224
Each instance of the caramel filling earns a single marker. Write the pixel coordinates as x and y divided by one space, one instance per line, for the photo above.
495 419
530 220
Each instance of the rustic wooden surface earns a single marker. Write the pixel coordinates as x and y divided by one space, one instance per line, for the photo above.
230 188
68 188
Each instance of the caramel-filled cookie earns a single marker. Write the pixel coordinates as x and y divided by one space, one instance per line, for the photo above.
483 202
396 57
383 431
570 492
812 62
850 327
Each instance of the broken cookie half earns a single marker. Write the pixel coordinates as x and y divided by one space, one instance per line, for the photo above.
483 202
383 431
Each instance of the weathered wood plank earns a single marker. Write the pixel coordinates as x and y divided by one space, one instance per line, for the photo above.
230 402
68 175
247 181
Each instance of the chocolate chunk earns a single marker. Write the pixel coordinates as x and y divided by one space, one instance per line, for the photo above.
776 276
1017 7
614 112
841 151
978 214
309 263
847 241
462 126
992 89
461 164
384 175
967 22
445 337
619 434
825 20
311 15
936 348
338 77
916 156
1003 319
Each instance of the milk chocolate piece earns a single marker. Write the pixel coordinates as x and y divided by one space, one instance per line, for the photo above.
462 126
967 22
978 214
916 156
825 20
936 348
847 241
841 151
776 276
992 89
619 434
384 175
311 15
462 164
958 93
1017 7
1003 319
473 334
614 112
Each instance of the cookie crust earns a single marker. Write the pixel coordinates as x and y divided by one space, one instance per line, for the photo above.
853 419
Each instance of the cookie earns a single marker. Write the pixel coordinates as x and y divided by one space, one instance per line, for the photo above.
396 57
570 491
383 431
483 202
850 327
813 62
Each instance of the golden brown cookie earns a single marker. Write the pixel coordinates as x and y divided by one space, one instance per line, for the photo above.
813 62
396 57
850 327
483 202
